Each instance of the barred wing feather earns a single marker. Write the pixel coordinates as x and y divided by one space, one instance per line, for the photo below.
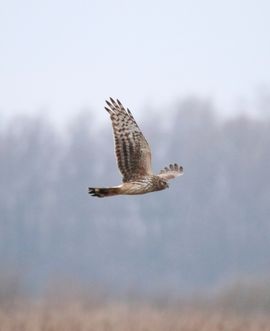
131 148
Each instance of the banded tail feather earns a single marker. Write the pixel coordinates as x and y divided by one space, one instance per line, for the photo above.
103 192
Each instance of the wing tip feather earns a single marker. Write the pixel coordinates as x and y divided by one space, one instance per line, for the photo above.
174 170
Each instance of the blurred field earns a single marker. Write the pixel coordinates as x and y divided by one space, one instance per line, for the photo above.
67 306
125 317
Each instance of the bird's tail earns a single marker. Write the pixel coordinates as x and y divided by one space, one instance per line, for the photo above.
103 192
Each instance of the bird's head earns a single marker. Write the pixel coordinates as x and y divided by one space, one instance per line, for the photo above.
162 183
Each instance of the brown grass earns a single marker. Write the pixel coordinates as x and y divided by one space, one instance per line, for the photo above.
124 317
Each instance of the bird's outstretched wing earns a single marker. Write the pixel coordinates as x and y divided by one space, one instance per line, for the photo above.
131 148
173 171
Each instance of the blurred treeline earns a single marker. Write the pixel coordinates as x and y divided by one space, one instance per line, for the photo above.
210 227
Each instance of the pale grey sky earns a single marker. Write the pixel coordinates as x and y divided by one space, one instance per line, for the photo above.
63 55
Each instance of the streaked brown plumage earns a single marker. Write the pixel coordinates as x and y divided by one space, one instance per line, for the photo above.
133 157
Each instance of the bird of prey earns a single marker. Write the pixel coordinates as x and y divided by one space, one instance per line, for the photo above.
133 157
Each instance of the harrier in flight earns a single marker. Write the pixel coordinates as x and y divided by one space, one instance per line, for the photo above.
133 157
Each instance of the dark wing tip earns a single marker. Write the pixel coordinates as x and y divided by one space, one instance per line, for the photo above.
108 110
178 168
113 102
119 103
108 103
